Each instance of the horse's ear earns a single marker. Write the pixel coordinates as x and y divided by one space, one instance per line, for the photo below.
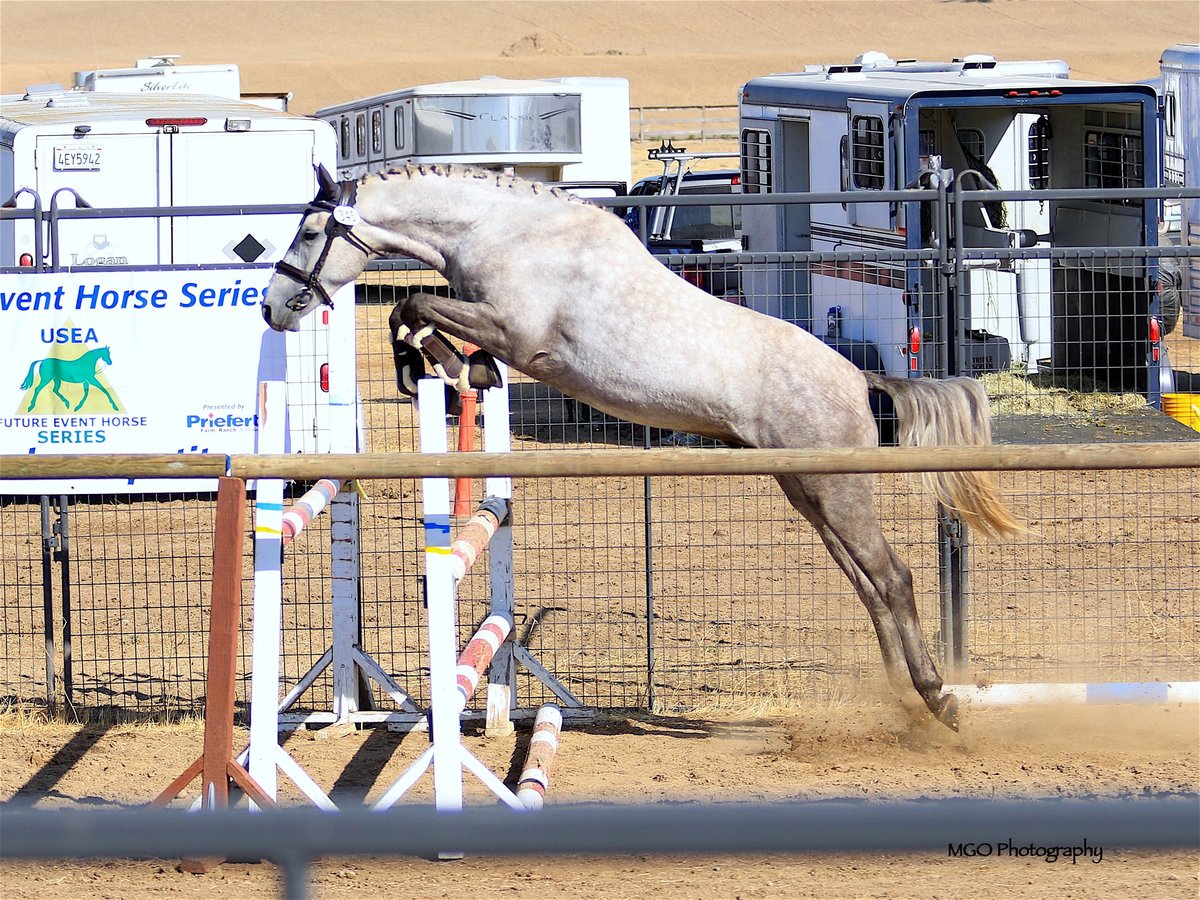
328 189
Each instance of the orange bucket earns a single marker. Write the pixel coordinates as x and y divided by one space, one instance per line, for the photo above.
1184 408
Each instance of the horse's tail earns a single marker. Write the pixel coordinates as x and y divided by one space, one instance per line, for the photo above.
28 382
951 411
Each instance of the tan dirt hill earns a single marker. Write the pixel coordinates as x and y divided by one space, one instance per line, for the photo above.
672 52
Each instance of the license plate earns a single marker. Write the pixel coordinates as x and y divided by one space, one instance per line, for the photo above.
77 157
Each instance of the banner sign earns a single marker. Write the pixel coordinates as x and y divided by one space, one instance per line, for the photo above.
132 362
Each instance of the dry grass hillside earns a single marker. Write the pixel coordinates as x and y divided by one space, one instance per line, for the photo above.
672 52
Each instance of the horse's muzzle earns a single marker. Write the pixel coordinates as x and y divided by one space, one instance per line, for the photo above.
289 321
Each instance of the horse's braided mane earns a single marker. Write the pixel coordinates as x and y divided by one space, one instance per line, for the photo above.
464 173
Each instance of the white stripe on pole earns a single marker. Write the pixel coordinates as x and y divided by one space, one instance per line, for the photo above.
439 602
268 594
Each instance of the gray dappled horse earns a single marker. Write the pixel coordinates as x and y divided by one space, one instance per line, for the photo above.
563 291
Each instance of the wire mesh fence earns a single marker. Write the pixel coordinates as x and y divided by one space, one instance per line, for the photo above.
678 592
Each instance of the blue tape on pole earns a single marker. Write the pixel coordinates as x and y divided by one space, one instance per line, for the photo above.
264 504
1125 692
437 530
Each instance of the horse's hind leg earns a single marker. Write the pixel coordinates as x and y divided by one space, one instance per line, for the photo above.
841 508
36 391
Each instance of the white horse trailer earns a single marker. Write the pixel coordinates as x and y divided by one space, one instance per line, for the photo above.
170 149
570 129
160 75
879 124
1180 68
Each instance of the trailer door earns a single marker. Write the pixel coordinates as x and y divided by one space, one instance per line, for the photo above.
223 168
107 170
796 221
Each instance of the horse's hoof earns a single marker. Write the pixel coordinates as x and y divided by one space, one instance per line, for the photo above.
945 709
482 372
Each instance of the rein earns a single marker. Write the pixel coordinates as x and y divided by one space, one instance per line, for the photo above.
342 219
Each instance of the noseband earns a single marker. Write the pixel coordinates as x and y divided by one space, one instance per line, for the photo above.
342 218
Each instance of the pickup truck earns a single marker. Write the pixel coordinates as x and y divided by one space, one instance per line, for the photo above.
674 230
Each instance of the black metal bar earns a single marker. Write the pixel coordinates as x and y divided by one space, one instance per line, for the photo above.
953 584
647 487
11 211
49 542
64 558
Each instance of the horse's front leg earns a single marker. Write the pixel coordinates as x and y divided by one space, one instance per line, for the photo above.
477 371
104 390
55 387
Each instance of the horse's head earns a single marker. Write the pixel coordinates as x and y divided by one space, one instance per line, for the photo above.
106 356
317 264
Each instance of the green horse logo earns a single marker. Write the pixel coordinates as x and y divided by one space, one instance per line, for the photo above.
75 371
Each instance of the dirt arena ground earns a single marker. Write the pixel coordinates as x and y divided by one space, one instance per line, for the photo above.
673 53
861 750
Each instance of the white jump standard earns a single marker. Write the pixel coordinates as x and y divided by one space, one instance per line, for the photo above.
444 568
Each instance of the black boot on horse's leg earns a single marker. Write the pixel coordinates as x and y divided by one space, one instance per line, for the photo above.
410 367
482 371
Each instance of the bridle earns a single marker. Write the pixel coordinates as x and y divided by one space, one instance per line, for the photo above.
342 219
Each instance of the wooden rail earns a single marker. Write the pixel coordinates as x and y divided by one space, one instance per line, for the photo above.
587 463
698 122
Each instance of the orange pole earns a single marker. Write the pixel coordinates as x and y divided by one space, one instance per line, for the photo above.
466 443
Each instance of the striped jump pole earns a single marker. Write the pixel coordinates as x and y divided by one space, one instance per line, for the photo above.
543 746
478 653
476 535
308 507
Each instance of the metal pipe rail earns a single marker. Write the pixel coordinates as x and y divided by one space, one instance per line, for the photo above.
292 838
590 463
787 826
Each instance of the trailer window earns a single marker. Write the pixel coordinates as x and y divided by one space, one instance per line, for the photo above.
970 141
1112 160
926 144
376 131
345 137
1112 151
1039 154
398 127
705 223
756 161
1174 164
867 153
360 134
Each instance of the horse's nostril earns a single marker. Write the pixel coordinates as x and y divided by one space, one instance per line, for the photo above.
266 311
